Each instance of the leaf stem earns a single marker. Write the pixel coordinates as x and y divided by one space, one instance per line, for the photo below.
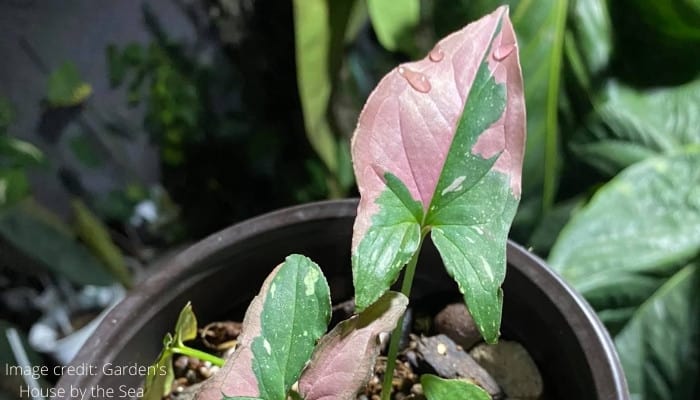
188 351
406 286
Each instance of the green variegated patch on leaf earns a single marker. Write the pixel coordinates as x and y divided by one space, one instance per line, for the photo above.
280 330
439 148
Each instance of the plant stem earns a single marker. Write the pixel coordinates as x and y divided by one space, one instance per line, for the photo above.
188 351
406 286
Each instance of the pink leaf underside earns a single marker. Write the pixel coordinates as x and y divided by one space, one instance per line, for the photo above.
236 377
408 123
343 360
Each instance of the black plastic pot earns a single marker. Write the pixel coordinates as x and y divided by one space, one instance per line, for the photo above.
223 272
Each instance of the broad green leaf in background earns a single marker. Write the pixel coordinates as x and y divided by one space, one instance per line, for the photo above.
637 228
96 236
343 359
394 21
319 29
678 19
660 347
51 243
280 331
437 388
634 124
541 28
66 88
592 30
435 151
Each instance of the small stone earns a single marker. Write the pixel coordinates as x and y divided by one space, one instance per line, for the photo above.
180 366
191 376
455 322
512 367
455 363
417 389
204 372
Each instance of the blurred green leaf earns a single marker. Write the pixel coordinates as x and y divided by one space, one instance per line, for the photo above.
66 88
49 241
313 53
592 28
95 235
552 223
18 153
660 346
541 27
632 125
678 19
638 228
394 22
84 151
611 156
13 186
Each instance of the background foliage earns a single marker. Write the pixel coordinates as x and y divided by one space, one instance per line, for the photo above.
612 170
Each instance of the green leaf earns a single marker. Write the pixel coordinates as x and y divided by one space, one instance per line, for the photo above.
66 89
660 347
49 244
13 186
419 173
159 379
541 28
394 21
634 124
18 153
611 156
295 315
313 56
389 244
641 225
436 388
186 326
678 19
96 236
84 151
280 330
592 32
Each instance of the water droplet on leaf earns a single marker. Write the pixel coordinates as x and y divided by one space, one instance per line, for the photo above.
417 80
503 51
436 54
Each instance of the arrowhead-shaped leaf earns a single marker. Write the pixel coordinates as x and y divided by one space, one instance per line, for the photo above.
280 330
439 145
342 363
660 345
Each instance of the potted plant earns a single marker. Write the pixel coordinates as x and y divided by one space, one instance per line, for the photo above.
438 150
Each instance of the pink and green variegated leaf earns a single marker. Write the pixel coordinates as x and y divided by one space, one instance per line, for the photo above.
280 330
343 360
439 148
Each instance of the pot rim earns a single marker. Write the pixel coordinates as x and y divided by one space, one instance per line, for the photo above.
602 357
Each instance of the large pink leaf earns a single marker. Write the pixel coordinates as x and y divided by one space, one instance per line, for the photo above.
343 360
439 149
409 121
